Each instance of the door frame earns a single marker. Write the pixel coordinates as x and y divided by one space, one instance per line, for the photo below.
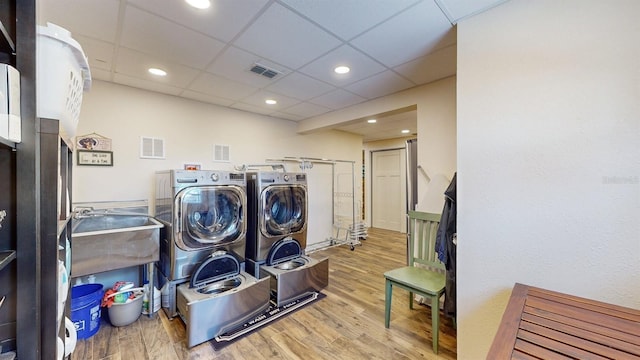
403 167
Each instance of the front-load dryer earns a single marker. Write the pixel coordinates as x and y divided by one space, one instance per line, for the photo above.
220 297
203 211
277 236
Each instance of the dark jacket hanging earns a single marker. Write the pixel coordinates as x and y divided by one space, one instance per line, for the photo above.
446 247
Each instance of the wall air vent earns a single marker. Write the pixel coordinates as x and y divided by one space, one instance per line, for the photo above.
221 153
264 71
151 148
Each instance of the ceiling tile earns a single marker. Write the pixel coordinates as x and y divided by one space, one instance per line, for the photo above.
99 74
409 35
286 116
306 110
215 85
206 98
223 20
394 44
251 108
381 84
99 53
435 66
98 19
300 86
284 37
136 64
156 36
258 98
361 66
235 63
145 84
338 99
348 18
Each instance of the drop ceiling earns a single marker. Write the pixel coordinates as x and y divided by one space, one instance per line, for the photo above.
390 46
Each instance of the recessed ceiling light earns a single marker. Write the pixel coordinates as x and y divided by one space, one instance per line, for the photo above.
405 131
372 121
342 69
270 102
158 72
199 4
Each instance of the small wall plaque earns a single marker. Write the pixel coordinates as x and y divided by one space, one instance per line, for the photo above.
93 141
95 158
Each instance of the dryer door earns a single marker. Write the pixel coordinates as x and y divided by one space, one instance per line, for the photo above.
284 208
210 216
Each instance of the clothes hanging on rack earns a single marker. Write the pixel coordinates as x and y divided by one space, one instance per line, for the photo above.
446 247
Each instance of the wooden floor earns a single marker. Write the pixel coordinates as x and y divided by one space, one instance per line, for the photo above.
347 324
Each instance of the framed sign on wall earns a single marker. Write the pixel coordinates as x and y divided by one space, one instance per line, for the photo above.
95 158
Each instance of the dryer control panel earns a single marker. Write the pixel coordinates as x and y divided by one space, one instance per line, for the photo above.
276 177
185 178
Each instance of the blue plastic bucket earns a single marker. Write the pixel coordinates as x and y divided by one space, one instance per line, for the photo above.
85 309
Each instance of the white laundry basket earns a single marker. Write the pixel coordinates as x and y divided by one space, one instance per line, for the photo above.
62 75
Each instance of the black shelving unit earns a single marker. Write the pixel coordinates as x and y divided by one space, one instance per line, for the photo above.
29 307
6 257
8 199
55 221
29 173
7 31
8 270
6 40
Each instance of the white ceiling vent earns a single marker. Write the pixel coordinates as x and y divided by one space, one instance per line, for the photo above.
264 71
221 153
151 148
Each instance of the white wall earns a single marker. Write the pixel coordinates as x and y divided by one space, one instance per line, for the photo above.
190 129
548 157
436 119
436 144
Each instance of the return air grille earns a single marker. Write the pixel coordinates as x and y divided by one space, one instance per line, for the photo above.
221 153
264 71
151 148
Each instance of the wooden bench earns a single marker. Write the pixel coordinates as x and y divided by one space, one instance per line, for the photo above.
543 324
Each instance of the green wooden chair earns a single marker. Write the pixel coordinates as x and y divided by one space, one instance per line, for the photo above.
427 280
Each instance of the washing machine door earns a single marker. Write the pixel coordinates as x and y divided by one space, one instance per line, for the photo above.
210 216
284 209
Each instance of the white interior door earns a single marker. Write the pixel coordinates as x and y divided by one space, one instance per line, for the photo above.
388 189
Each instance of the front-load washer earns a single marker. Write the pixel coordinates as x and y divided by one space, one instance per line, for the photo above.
220 297
277 208
203 211
277 236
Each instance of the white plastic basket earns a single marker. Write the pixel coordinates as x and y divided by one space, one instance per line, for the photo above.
62 75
